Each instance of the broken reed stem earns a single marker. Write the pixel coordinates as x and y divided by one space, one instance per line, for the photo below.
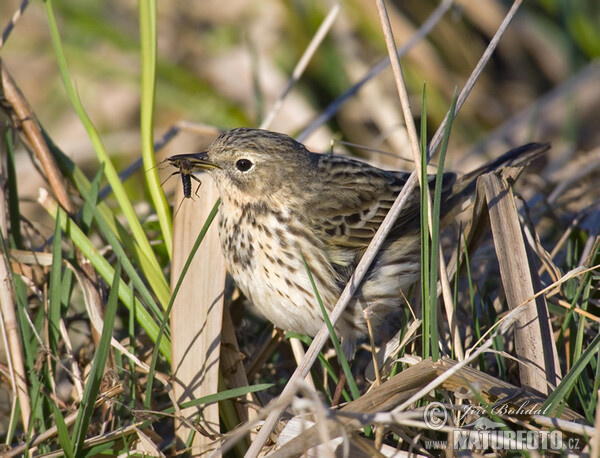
401 87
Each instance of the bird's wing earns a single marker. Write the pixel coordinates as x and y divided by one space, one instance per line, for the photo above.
352 199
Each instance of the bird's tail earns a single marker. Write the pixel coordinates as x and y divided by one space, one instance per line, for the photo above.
462 191
516 157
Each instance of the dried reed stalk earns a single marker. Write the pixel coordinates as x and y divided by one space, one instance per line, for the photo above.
197 314
533 333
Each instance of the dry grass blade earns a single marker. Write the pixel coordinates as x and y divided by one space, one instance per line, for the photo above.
102 399
233 369
303 62
298 351
10 333
379 399
8 318
196 319
596 437
24 117
492 389
401 86
378 405
533 334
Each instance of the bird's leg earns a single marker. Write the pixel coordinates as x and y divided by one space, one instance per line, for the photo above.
339 388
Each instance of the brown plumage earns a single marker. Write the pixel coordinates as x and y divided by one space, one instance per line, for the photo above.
280 200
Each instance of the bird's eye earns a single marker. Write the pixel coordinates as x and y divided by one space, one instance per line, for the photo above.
243 165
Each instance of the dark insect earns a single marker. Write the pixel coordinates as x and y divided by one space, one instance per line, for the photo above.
187 185
186 170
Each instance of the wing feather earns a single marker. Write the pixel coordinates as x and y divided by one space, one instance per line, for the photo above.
351 201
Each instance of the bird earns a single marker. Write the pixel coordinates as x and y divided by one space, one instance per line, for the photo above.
283 205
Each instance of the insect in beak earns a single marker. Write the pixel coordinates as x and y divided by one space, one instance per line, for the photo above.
187 164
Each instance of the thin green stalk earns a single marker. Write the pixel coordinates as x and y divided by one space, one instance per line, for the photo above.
564 388
54 299
435 231
92 386
220 396
147 9
132 337
425 257
332 334
123 257
63 432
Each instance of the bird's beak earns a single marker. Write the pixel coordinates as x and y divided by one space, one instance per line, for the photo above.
191 162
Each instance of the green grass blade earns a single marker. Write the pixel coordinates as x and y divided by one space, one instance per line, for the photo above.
109 169
55 291
104 449
221 396
336 343
106 271
92 387
37 413
153 273
123 257
147 11
564 388
132 338
426 315
435 231
63 432
14 214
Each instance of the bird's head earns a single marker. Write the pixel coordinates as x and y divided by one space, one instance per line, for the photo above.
248 164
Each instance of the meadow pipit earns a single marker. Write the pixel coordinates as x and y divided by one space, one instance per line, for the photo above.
280 200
